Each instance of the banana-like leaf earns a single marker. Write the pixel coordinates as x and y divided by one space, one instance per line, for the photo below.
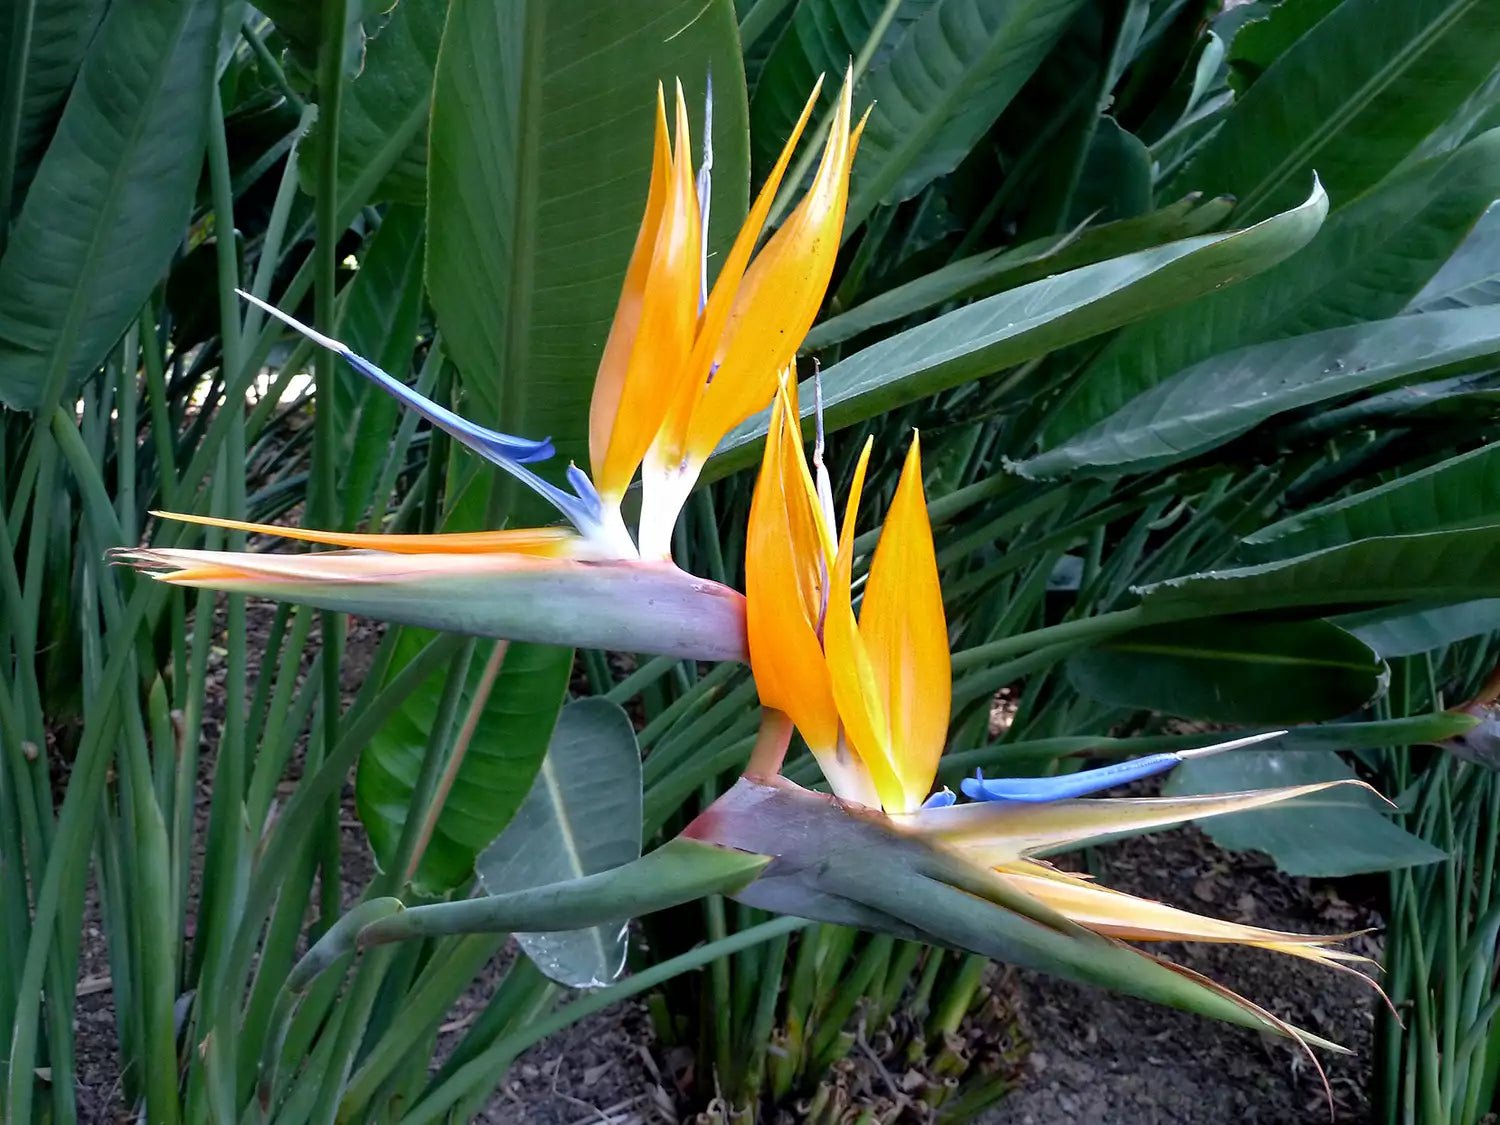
1236 670
581 817
995 270
1365 263
948 79
1010 328
380 317
1267 35
49 59
1201 408
1463 491
625 606
1350 99
110 198
542 119
1436 566
1408 630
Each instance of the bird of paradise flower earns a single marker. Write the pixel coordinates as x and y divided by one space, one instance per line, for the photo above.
871 696
682 365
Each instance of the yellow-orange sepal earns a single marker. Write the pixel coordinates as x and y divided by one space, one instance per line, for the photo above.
787 560
546 542
656 320
891 673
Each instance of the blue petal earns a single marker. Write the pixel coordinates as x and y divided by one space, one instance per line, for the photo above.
489 444
1079 784
940 800
509 453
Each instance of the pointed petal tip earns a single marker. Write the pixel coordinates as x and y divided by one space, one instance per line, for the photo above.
1232 744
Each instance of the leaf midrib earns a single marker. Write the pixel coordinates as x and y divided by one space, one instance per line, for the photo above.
1228 656
1353 106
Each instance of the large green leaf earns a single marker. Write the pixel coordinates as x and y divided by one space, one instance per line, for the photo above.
1340 831
111 197
541 148
1366 262
990 335
1470 398
1349 100
510 737
1228 395
1437 566
941 89
1463 491
1406 630
821 39
1472 275
582 817
301 24
995 270
383 115
49 59
1260 42
1234 670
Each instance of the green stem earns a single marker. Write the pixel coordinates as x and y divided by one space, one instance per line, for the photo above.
323 506
1082 629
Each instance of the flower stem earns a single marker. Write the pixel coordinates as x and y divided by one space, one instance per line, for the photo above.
770 745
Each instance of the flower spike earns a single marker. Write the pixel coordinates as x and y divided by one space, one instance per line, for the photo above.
886 853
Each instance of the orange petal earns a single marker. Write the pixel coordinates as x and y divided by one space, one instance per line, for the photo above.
856 690
609 383
665 325
549 542
906 635
783 585
721 300
781 293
